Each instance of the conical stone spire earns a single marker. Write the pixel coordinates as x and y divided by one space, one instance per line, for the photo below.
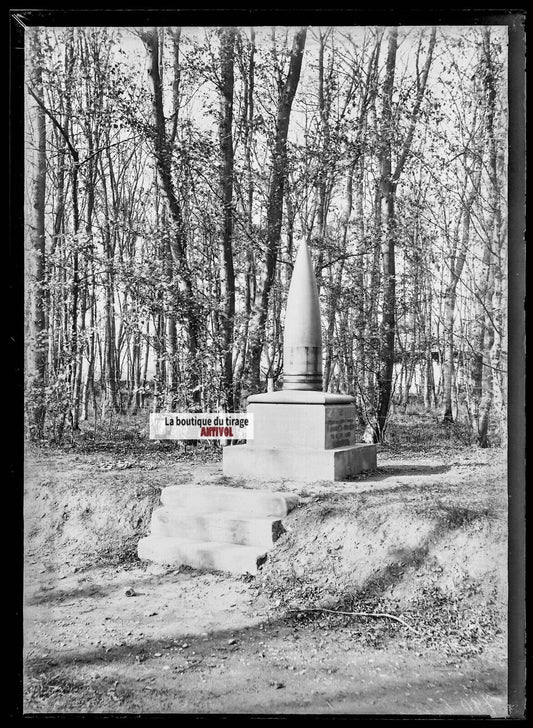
302 347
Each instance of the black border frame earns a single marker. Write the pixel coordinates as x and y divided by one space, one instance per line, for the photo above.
515 20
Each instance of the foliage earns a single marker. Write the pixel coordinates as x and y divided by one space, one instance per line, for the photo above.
139 301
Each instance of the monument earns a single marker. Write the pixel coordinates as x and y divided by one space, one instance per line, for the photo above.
301 432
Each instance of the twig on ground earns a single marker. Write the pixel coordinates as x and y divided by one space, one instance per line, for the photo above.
358 614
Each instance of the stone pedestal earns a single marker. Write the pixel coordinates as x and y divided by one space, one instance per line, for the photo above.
300 435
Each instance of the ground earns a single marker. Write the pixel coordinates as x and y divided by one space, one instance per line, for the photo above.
422 539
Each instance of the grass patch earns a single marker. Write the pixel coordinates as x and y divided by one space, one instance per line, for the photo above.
424 431
453 517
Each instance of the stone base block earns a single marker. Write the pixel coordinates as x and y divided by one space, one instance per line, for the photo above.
212 555
243 461
308 426
226 526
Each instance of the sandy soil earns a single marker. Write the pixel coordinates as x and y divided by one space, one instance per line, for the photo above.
421 538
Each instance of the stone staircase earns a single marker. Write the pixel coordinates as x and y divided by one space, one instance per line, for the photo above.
215 528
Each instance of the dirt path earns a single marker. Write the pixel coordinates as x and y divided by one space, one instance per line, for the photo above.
189 642
132 639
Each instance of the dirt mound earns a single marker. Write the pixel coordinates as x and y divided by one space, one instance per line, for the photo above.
417 551
386 549
84 514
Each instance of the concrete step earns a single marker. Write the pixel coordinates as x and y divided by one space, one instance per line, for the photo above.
210 555
209 499
223 526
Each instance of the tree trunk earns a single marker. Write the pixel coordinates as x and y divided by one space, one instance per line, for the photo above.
36 346
429 379
489 302
388 184
457 260
448 366
386 222
275 204
227 277
75 354
248 74
163 157
345 223
89 381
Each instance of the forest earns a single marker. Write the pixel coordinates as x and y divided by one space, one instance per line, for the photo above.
170 174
